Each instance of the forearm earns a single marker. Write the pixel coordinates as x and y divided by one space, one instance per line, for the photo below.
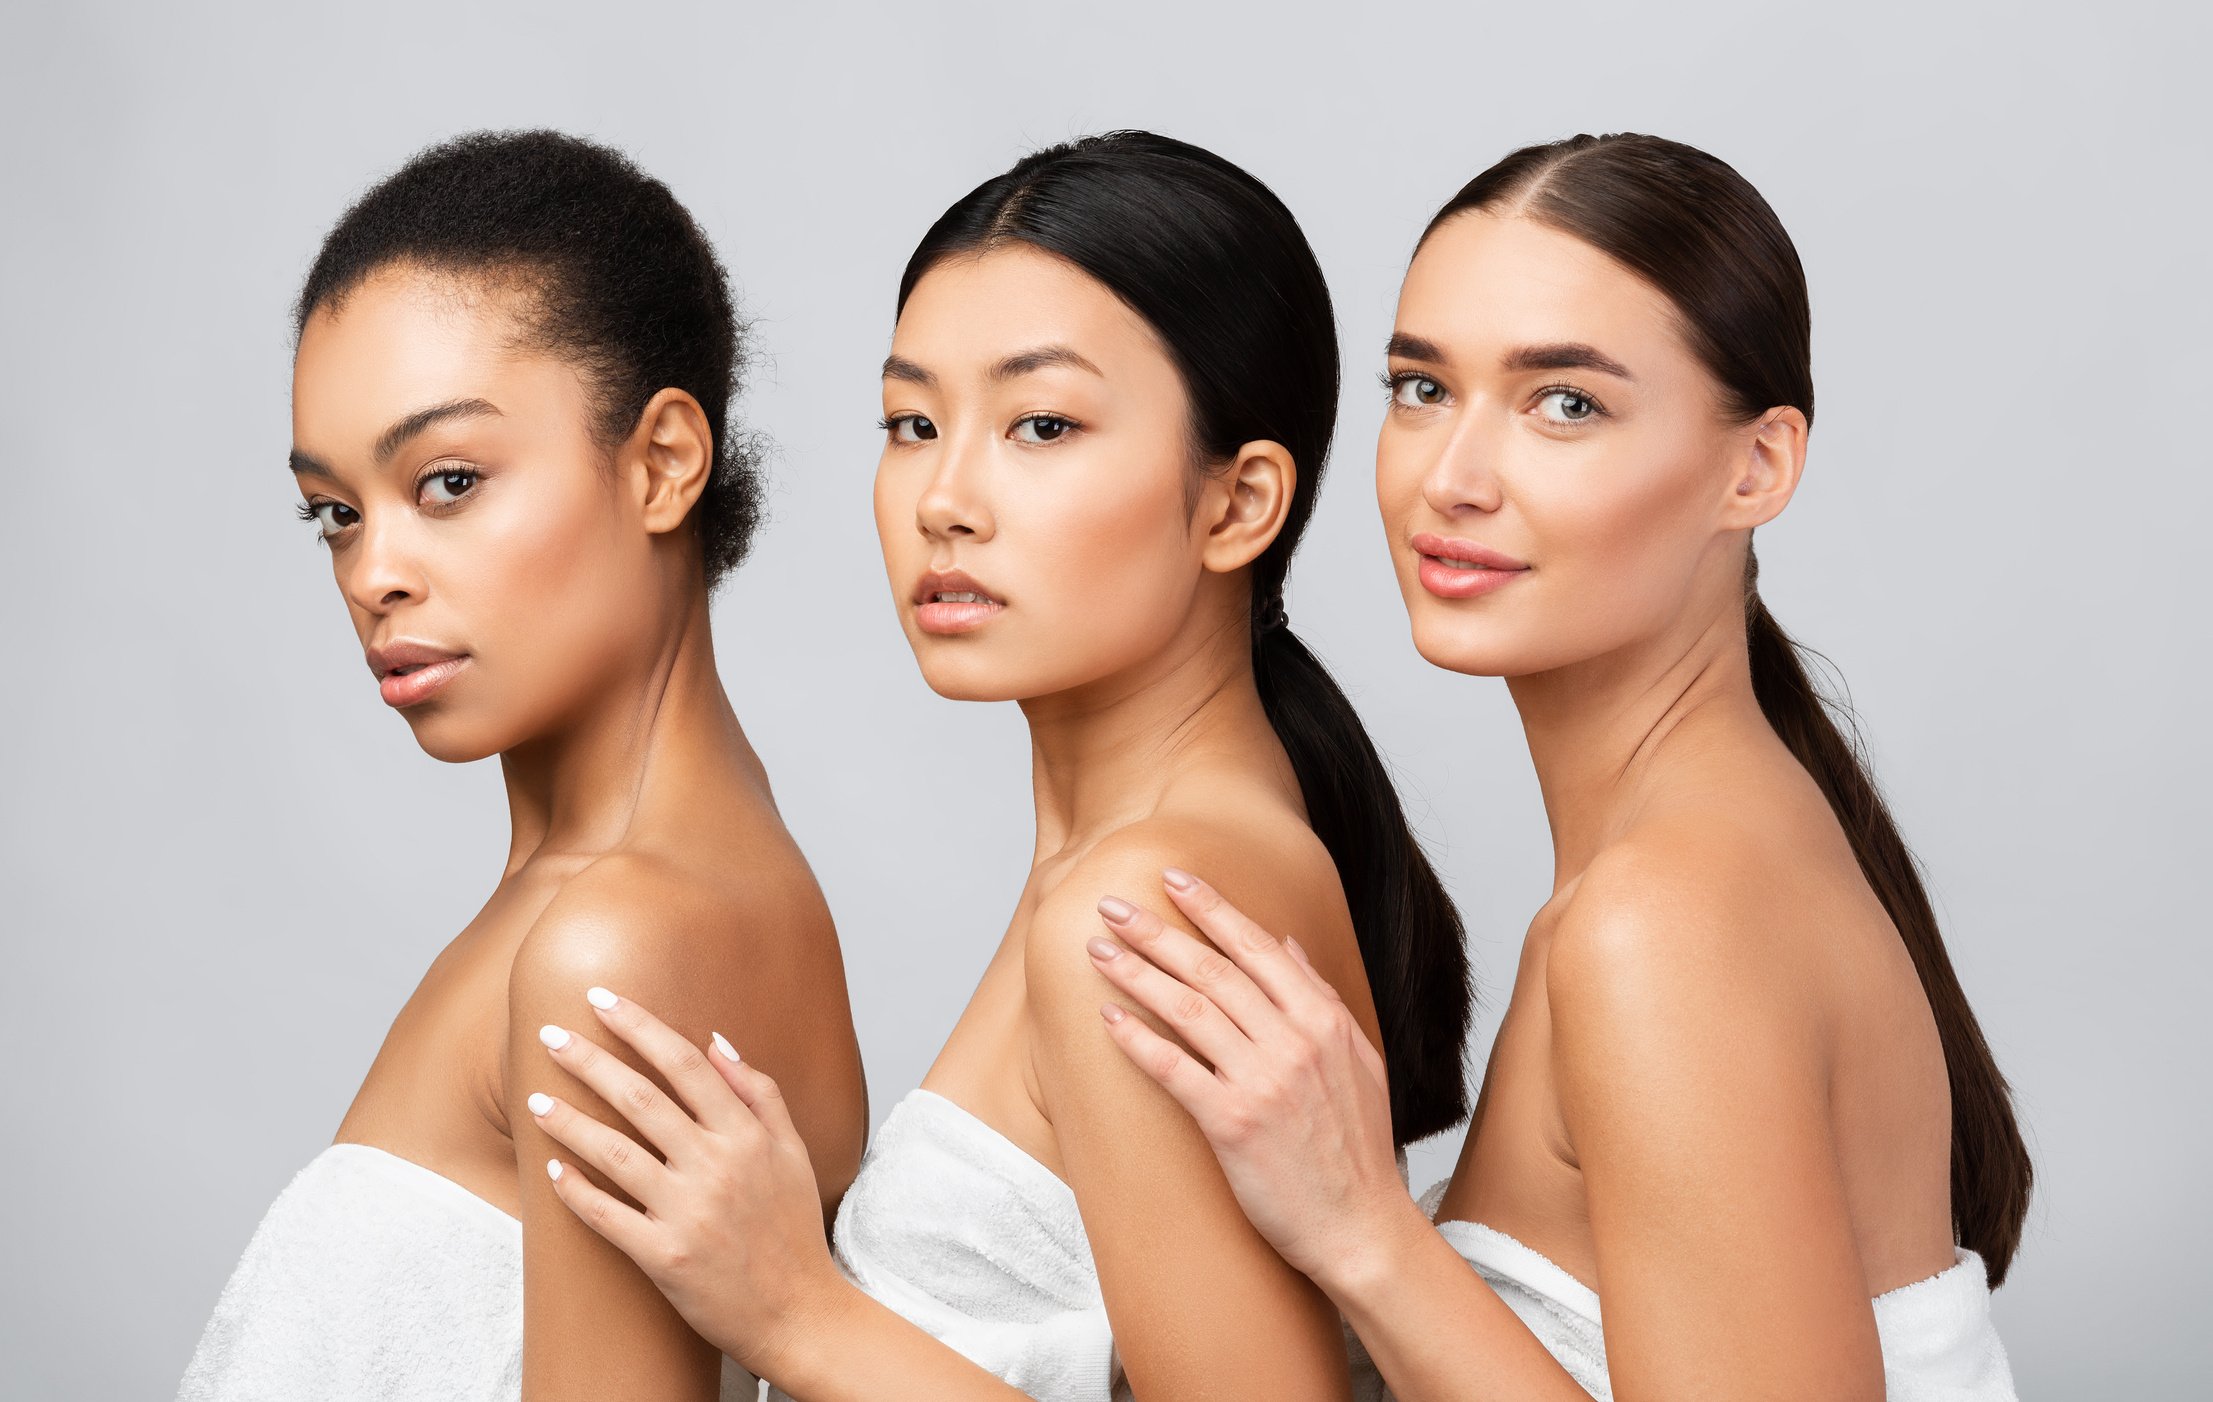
1435 1329
856 1349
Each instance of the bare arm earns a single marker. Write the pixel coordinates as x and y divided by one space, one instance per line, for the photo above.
1693 1082
1292 1098
594 1326
1202 1306
731 1231
1693 1076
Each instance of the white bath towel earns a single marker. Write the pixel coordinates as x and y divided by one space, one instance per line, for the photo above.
373 1277
1938 1342
957 1229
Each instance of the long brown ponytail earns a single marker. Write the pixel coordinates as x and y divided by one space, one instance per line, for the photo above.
1695 229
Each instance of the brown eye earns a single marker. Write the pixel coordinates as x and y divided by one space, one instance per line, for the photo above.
446 488
330 517
1041 428
911 428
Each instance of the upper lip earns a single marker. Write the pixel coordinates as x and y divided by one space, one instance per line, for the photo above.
385 658
949 582
1451 549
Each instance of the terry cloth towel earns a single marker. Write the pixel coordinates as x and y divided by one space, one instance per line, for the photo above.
1938 1342
373 1277
954 1227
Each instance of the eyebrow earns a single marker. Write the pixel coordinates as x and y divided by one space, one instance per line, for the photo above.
1044 357
898 367
1552 355
1565 355
395 437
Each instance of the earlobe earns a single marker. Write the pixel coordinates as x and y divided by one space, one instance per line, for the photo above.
1258 487
673 451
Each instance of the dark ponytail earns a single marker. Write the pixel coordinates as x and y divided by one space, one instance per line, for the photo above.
1216 265
1695 229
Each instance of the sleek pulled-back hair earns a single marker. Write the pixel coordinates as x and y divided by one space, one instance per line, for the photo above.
1692 227
1214 263
614 276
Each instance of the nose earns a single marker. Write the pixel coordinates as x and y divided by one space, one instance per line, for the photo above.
952 501
1464 477
382 573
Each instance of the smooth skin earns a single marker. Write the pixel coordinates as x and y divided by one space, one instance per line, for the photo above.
466 504
1037 441
1717 1094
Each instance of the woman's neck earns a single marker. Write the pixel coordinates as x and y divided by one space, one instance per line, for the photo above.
1102 755
1599 731
584 787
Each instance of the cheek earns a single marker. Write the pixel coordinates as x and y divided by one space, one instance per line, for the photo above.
556 579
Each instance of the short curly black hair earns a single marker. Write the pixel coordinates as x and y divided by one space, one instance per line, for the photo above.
620 281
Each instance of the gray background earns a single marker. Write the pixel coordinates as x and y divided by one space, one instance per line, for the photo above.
223 865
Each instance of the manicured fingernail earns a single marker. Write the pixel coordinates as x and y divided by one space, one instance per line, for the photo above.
554 1037
1181 880
1103 949
599 998
1297 948
540 1103
1116 909
1112 1012
553 1169
722 1044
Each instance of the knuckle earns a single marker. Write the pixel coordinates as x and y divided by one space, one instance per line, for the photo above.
595 1212
1211 968
1189 1007
1163 1062
641 1096
1255 938
1237 1124
690 1061
618 1154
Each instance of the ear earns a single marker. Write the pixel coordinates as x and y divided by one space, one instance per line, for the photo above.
670 456
1772 459
1244 508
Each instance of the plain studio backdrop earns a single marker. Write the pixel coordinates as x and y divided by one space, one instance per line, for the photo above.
224 864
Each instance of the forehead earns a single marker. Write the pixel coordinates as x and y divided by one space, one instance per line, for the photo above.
1483 281
971 309
403 339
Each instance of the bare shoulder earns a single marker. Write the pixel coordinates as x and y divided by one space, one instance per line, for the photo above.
1683 931
750 954
631 921
1270 865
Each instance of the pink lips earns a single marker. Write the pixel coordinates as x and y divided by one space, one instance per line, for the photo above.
1461 569
933 615
410 672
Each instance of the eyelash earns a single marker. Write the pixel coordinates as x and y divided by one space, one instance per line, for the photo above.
887 425
1392 382
309 511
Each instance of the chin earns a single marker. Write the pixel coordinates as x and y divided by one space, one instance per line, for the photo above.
450 737
1458 646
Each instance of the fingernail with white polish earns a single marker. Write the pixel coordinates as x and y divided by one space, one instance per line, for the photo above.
553 1169
722 1044
554 1037
599 998
540 1103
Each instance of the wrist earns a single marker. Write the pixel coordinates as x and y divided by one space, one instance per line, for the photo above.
1389 1234
815 1326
